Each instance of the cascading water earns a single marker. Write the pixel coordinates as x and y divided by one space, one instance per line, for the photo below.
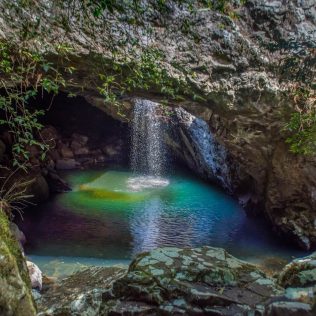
210 157
148 152
148 155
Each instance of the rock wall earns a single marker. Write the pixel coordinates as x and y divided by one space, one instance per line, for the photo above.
15 286
226 61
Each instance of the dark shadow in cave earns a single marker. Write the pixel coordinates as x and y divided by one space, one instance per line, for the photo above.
71 115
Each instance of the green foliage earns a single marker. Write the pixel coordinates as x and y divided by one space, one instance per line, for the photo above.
138 8
302 125
23 73
144 72
303 129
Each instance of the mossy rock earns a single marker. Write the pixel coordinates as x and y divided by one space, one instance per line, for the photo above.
164 281
15 288
299 273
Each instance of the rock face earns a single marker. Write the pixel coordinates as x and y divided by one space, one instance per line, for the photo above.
15 290
299 280
191 140
166 281
229 63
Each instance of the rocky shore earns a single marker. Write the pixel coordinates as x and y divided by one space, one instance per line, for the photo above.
172 281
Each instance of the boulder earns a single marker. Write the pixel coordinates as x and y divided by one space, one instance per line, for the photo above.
110 150
299 280
38 188
167 281
35 275
286 308
78 139
66 164
82 151
56 183
80 294
300 272
65 152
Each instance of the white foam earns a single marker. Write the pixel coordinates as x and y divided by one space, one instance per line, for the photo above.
136 184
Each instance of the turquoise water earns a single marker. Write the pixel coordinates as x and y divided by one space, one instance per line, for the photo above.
112 215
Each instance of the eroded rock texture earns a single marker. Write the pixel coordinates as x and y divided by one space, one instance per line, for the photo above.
173 281
226 61
15 287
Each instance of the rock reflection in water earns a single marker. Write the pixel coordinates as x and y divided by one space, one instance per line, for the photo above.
103 218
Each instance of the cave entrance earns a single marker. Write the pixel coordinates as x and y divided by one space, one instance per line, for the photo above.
83 134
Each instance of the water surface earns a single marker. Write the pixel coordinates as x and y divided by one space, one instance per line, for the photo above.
112 215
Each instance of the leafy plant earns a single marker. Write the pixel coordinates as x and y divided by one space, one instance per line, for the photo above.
144 72
303 133
24 72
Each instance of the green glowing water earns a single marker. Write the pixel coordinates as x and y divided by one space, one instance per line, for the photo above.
112 215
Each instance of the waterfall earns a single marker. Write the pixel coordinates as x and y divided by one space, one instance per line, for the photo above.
148 152
203 153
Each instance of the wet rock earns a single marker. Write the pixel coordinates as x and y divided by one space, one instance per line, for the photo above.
82 151
191 139
299 280
285 308
38 188
167 281
36 295
18 234
56 183
232 67
110 150
299 273
35 275
66 152
80 294
67 164
78 140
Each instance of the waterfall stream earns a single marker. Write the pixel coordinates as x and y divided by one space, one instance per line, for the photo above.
148 155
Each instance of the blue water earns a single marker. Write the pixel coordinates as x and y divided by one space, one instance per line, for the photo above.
110 216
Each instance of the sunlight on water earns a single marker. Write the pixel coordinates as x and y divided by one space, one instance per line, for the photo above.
137 184
113 215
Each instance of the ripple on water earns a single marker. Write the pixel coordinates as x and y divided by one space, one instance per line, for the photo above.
112 215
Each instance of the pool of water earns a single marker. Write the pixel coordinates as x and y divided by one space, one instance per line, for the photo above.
112 215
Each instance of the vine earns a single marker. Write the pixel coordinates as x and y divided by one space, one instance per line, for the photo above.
24 74
26 71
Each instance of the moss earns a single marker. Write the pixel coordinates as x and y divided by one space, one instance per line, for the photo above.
12 244
15 294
